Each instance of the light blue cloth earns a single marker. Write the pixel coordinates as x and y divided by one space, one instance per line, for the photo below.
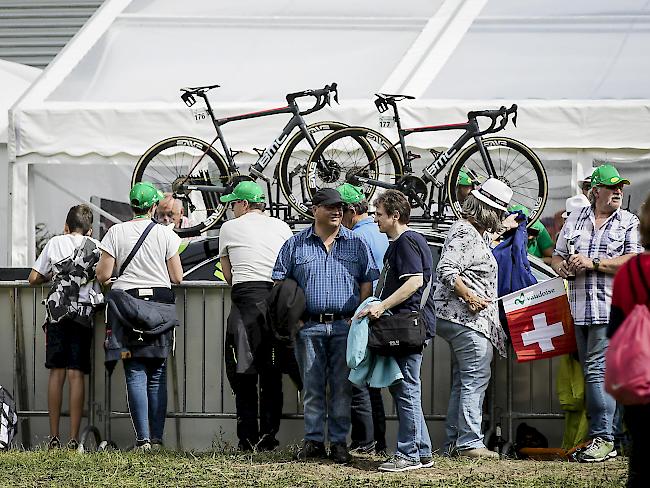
377 241
368 368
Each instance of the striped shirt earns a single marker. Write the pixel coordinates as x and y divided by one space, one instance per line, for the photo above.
590 294
331 279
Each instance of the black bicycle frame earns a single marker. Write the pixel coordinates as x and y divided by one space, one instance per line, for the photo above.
472 131
268 153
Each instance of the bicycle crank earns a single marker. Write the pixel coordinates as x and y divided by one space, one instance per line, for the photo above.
415 189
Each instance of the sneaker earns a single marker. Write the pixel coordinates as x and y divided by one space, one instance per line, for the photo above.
156 444
267 443
339 454
311 449
363 449
426 461
480 452
399 464
597 450
142 446
55 443
72 444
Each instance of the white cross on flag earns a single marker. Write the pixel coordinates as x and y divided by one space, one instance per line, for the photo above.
540 322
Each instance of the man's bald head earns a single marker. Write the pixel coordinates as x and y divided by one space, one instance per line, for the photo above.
170 210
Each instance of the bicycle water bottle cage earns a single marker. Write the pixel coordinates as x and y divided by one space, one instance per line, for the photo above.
188 98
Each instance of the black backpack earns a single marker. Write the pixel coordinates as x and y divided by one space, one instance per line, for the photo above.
8 419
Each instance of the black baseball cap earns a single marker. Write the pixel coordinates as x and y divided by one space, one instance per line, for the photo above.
327 196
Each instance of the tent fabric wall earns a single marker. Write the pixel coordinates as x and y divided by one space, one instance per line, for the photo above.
113 91
14 79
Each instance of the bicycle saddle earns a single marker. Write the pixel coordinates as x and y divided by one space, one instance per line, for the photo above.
396 98
198 89
384 99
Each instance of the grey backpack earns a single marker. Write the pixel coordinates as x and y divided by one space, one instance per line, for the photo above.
8 419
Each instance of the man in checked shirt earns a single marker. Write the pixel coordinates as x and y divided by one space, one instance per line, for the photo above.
593 244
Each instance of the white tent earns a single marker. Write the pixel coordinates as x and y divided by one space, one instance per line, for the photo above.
14 79
577 70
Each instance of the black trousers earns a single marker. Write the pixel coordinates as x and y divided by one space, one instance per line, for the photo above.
265 373
368 418
637 419
270 408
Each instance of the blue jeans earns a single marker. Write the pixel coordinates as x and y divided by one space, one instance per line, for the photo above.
413 440
146 388
320 352
471 355
592 345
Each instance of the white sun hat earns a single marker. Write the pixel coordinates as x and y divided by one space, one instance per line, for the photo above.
495 193
575 202
587 175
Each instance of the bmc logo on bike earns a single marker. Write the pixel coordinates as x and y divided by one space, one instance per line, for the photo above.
185 142
270 151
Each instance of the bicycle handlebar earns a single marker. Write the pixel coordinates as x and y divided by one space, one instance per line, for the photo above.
323 97
499 118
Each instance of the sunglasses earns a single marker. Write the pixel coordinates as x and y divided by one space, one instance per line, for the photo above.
620 186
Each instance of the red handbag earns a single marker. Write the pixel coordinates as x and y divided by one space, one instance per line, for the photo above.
627 372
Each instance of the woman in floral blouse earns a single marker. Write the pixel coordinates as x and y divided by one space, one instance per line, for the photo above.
467 314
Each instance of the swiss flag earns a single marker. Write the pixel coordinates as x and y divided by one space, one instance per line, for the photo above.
540 322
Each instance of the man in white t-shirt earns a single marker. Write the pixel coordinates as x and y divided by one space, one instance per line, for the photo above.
248 248
68 342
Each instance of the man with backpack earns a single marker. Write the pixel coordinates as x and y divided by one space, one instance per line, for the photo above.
69 261
591 247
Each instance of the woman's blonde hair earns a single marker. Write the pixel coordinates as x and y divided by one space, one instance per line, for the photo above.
486 216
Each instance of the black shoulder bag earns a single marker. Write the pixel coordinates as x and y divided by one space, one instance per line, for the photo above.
399 334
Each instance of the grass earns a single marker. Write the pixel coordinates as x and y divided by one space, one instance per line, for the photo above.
216 469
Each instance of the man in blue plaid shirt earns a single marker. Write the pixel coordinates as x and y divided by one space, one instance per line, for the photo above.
593 244
334 268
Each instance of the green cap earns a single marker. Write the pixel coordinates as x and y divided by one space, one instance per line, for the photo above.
464 179
245 190
521 208
607 175
144 195
350 193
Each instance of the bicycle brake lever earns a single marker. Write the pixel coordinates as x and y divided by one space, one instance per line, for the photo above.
514 119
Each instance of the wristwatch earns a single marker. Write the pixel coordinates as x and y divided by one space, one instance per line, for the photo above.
596 263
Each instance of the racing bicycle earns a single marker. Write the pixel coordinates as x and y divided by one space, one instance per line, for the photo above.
195 172
349 153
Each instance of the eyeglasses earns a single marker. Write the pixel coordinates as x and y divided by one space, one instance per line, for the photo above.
234 202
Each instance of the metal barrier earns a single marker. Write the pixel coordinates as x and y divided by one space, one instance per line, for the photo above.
197 384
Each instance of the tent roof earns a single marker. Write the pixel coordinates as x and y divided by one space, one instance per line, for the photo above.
551 49
573 67
15 78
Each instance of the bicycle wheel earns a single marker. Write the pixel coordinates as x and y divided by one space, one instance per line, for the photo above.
167 163
350 153
515 164
291 168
